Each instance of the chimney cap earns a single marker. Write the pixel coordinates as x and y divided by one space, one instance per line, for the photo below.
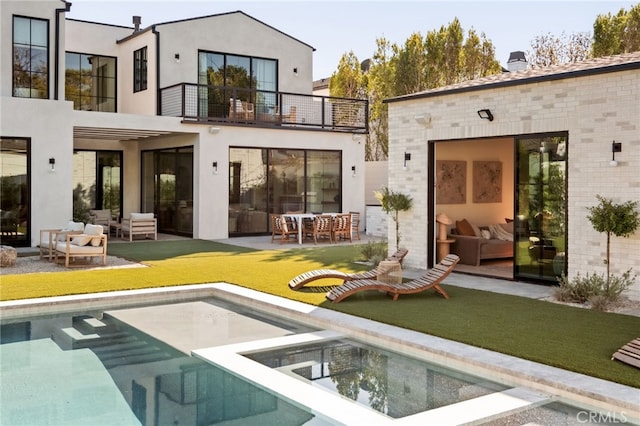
137 20
517 56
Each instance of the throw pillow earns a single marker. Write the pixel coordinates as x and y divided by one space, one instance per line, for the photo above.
91 229
81 240
464 228
486 234
507 227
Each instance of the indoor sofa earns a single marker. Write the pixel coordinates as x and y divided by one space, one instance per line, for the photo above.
476 243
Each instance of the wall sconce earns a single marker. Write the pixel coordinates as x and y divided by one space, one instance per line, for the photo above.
214 130
215 167
615 147
353 171
424 119
295 71
177 58
407 157
485 114
52 164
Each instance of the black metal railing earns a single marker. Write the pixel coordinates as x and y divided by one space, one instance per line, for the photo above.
227 104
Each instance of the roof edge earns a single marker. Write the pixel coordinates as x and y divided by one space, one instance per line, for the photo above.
517 82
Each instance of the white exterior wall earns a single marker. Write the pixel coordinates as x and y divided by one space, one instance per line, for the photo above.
49 124
237 34
50 207
44 9
595 110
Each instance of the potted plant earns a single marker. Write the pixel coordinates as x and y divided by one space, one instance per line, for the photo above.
392 203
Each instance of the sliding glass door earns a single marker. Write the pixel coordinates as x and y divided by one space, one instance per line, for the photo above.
14 196
541 231
264 181
167 189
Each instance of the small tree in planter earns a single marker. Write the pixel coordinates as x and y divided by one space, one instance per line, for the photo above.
621 220
392 203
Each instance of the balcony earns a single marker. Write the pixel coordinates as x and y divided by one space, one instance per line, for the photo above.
233 105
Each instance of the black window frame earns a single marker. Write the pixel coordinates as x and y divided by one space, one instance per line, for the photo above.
30 72
99 80
140 80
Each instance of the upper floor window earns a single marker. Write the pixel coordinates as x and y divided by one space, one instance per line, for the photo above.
234 77
90 82
30 58
140 69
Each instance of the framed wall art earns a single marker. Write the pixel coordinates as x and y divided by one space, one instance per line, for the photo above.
451 182
487 181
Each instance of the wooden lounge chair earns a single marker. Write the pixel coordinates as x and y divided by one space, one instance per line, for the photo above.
629 353
430 280
319 274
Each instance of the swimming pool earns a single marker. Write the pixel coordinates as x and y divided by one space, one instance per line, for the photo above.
498 388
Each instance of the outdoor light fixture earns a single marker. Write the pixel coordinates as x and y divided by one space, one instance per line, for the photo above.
213 130
615 147
485 114
177 58
356 137
353 171
52 164
424 119
407 157
215 167
295 71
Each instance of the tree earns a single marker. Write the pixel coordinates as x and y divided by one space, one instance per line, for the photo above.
621 220
392 203
421 63
615 34
548 49
347 81
380 87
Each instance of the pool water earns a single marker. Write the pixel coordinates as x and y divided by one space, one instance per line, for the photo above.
388 382
226 361
81 370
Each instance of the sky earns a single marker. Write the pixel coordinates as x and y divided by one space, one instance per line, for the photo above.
336 27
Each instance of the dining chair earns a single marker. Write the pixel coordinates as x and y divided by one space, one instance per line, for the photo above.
341 227
355 225
322 227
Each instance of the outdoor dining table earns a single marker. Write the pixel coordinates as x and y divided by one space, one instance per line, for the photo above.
298 217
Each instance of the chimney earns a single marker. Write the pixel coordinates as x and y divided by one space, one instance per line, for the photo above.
517 61
136 22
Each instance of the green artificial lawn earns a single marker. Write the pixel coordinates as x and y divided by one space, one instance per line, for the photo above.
572 338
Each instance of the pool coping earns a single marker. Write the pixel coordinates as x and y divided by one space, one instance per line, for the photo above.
602 395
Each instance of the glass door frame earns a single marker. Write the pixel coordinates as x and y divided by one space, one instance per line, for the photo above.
541 222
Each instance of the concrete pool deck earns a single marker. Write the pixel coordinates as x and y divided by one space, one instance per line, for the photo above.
534 380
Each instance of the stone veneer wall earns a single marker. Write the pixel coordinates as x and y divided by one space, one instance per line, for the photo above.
595 110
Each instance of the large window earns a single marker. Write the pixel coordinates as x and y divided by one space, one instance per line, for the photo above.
263 181
30 58
90 82
14 192
229 77
140 70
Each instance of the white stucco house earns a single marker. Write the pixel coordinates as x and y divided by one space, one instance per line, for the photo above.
210 123
534 147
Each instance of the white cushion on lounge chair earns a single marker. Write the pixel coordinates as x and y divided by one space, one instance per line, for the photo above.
136 216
